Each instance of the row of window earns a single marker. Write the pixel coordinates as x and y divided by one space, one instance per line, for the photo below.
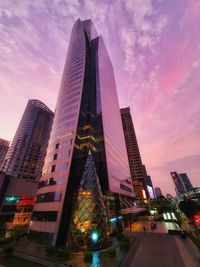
65 118
51 181
75 56
72 78
60 155
71 101
60 130
64 143
44 216
8 209
72 81
64 126
70 108
61 144
71 93
79 47
59 167
75 68
48 197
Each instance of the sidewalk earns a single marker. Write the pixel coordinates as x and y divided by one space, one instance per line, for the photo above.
28 250
38 260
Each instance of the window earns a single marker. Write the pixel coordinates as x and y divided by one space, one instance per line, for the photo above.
41 237
55 156
57 196
60 180
51 181
46 182
8 209
48 197
62 166
57 146
53 168
44 216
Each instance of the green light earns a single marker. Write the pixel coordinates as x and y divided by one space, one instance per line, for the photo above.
94 236
11 199
82 229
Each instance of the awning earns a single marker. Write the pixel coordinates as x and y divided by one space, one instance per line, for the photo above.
129 207
132 210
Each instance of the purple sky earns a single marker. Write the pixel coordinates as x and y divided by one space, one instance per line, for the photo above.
155 49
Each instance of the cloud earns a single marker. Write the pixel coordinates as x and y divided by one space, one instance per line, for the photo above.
128 40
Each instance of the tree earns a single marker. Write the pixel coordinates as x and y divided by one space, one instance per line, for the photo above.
2 229
189 207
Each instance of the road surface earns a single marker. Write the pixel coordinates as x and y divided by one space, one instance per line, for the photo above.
159 249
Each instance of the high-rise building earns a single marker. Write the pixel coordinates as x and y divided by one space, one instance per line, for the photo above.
4 145
148 183
26 154
186 181
87 118
182 182
134 158
23 163
149 186
157 192
139 192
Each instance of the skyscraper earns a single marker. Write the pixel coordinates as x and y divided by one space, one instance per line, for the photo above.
158 192
134 158
182 182
4 145
186 181
149 186
26 154
87 118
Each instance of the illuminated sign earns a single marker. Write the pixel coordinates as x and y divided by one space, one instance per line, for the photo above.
11 200
150 190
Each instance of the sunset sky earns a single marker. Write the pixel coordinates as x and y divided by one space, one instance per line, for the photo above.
154 46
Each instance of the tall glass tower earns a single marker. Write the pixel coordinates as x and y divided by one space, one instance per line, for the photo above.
25 157
87 118
182 183
4 145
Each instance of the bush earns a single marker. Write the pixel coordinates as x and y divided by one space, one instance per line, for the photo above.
65 253
51 251
125 243
111 252
88 256
8 252
15 232
2 229
57 253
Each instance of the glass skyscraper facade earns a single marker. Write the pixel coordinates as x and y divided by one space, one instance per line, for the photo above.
137 169
25 157
186 181
4 145
87 118
182 183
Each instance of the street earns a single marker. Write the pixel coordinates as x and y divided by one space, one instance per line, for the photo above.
157 248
